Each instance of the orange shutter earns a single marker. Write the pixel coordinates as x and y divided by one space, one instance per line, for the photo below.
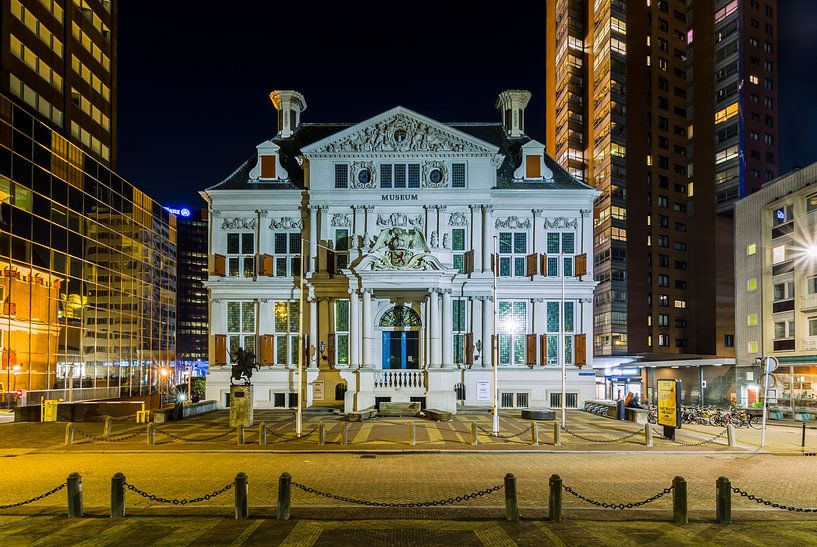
533 167
580 348
581 265
532 264
543 349
219 265
530 349
267 167
220 349
9 308
267 265
9 358
469 348
267 349
468 262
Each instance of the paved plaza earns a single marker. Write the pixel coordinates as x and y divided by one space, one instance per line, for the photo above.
380 465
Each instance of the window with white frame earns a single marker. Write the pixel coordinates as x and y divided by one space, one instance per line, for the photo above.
341 175
552 328
560 243
513 247
341 332
341 248
457 175
240 254
811 284
458 327
286 332
240 326
513 323
784 329
458 246
571 398
783 291
287 254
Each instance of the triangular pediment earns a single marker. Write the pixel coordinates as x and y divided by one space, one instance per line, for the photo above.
399 130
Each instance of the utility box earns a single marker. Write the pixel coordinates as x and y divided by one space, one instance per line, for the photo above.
49 413
241 406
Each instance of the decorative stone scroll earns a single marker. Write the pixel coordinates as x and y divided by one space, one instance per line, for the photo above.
287 223
367 182
340 220
238 223
399 219
458 219
513 223
561 222
430 166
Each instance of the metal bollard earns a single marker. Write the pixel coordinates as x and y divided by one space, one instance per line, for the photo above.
555 500
412 434
730 435
723 502
262 433
679 501
534 434
242 496
106 426
321 433
74 495
69 434
557 434
151 434
345 433
240 434
474 437
511 503
284 495
803 437
648 434
118 495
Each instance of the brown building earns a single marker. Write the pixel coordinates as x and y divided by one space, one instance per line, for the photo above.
669 109
59 57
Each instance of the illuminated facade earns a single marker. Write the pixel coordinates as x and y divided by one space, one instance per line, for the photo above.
668 109
191 300
398 216
89 268
59 57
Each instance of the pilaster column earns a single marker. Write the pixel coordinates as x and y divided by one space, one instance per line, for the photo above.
434 327
442 226
313 333
539 245
354 329
487 238
446 333
487 330
261 235
366 358
476 235
313 237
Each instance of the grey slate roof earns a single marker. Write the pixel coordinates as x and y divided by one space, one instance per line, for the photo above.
309 133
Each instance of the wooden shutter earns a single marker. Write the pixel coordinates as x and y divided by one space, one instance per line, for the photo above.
543 261
533 167
220 349
543 349
532 264
267 265
267 167
469 348
580 349
9 358
305 348
530 349
9 307
330 263
330 348
267 349
581 265
219 265
468 262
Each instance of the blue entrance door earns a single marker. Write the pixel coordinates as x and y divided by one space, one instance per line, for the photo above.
401 349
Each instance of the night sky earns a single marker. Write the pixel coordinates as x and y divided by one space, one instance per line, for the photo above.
194 81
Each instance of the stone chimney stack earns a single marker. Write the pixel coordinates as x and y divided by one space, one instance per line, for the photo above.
289 105
511 103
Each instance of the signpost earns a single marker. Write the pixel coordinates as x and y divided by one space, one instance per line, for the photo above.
669 406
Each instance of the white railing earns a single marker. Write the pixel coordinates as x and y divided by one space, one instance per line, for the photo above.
400 379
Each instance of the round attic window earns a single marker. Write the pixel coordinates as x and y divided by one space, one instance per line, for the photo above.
435 176
364 177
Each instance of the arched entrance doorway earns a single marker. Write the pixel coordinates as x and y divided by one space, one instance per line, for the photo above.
401 338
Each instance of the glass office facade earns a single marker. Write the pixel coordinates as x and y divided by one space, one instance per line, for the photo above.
88 266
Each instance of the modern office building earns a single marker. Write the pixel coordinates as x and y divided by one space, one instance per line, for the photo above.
776 290
88 268
59 57
374 243
669 109
191 296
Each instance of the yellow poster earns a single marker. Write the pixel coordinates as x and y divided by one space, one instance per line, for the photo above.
668 403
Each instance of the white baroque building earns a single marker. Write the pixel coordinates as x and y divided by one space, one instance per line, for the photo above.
397 217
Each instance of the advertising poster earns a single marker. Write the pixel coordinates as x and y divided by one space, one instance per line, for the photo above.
669 403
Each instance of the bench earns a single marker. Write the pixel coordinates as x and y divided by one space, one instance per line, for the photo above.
361 415
399 410
438 415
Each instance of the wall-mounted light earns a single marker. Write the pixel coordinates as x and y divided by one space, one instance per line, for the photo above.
322 349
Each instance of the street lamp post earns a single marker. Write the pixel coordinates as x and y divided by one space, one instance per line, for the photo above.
495 347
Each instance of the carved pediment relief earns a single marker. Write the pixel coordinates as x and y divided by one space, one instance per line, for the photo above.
399 219
238 223
400 249
287 223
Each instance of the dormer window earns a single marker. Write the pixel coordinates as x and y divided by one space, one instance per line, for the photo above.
533 166
268 167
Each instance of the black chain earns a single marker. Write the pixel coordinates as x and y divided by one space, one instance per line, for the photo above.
174 501
433 503
604 441
758 499
188 440
112 439
286 438
36 498
498 436
700 443
631 505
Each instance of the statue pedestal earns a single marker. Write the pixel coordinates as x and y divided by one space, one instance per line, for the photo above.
240 406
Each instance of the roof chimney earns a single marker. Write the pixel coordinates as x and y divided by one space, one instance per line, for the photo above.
511 103
289 104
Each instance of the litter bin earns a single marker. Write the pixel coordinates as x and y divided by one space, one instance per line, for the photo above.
49 410
620 409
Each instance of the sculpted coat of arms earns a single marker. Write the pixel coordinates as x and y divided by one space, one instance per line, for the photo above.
400 249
